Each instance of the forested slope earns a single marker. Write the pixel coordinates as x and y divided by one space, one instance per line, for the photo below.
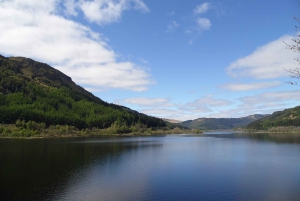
221 123
288 117
34 91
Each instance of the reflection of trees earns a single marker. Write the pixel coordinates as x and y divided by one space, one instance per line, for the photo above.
276 137
38 169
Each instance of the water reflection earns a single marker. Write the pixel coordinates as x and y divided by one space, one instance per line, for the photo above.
274 137
174 167
39 169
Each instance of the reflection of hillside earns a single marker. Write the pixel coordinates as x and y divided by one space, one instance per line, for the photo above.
276 137
39 169
273 137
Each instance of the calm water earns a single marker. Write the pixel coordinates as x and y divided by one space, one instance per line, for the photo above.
174 167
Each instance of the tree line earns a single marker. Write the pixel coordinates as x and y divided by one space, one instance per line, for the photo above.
58 106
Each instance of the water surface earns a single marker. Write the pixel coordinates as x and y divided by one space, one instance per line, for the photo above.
214 166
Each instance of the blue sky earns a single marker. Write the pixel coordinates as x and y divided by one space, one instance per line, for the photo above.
171 59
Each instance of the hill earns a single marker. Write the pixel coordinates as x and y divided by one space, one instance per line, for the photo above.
220 123
288 117
172 121
34 91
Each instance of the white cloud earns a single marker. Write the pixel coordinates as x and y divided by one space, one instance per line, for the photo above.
212 107
263 103
268 61
271 97
202 8
33 28
123 75
203 24
159 112
149 102
108 11
184 117
140 5
173 25
164 108
70 7
32 5
252 86
170 114
208 101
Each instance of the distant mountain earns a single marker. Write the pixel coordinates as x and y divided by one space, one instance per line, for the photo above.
34 91
172 121
288 117
221 123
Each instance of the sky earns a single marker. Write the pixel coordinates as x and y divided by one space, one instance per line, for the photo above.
170 59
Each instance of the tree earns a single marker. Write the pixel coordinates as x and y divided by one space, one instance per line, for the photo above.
295 73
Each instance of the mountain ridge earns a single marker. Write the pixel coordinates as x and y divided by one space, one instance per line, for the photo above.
44 73
32 90
221 123
285 118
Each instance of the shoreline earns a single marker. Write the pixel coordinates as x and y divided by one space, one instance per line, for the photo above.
91 136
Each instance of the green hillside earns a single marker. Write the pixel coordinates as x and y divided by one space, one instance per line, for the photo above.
220 123
288 117
34 91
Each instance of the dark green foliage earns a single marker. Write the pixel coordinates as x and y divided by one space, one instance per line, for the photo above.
35 92
288 117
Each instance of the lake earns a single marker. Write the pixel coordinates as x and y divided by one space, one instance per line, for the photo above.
213 166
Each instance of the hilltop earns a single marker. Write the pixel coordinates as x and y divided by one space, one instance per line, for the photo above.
285 118
34 91
221 123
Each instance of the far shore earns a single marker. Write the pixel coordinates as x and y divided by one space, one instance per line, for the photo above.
100 135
